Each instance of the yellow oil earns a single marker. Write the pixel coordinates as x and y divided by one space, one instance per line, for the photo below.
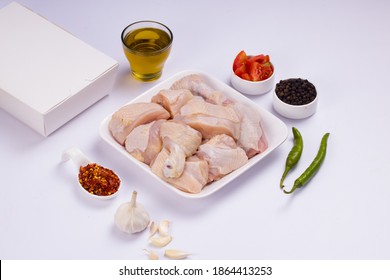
147 50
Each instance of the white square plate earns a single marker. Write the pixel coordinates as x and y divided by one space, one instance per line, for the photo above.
275 132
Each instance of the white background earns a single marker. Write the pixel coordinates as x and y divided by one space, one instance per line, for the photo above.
340 46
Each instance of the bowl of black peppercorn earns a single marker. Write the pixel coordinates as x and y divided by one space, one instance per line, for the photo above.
295 98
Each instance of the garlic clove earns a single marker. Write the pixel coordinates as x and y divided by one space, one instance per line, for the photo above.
176 254
153 229
160 241
152 255
163 228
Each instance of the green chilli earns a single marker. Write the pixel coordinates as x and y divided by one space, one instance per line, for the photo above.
294 155
313 167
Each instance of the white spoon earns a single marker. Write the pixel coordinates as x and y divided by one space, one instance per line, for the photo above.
80 159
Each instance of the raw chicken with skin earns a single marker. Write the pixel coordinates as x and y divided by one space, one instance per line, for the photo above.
251 138
144 142
223 156
176 160
193 178
167 133
132 115
137 141
181 141
172 100
186 137
198 86
199 106
210 119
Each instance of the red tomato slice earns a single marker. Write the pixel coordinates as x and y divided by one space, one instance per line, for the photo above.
255 71
267 70
240 70
239 60
257 58
246 76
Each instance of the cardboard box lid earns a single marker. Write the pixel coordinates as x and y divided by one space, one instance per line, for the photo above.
41 64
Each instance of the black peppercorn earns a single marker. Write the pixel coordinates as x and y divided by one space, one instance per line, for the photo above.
296 91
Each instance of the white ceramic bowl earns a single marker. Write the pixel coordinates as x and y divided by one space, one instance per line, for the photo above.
294 111
252 88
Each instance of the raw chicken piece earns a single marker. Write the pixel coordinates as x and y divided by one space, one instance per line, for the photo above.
181 141
144 142
155 142
210 119
252 138
174 163
193 178
137 141
211 126
132 115
198 86
172 100
198 105
223 156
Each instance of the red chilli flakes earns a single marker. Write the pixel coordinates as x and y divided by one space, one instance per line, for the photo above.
98 180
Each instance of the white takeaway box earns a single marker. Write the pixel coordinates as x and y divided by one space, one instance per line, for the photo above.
47 75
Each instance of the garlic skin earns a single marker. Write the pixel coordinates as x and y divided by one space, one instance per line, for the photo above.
131 217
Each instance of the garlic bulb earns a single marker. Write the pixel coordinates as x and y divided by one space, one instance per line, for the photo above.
131 217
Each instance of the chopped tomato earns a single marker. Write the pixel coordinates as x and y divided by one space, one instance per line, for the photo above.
246 76
240 70
252 68
267 70
258 58
255 71
240 59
